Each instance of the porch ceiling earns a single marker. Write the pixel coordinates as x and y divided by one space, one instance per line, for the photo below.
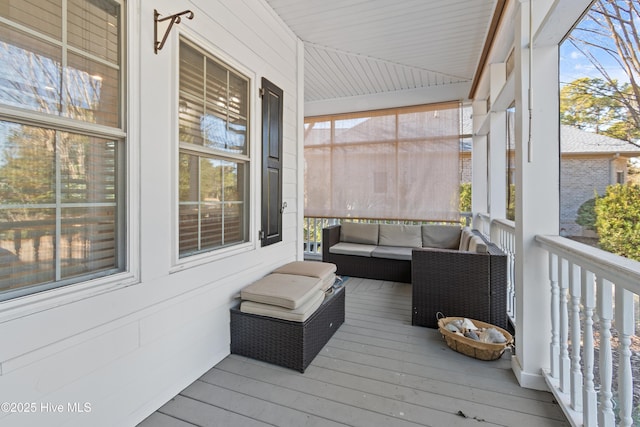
368 47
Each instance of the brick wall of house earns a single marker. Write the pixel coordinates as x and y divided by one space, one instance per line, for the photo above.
580 179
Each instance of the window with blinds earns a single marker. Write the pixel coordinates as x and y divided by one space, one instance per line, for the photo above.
61 143
388 164
214 153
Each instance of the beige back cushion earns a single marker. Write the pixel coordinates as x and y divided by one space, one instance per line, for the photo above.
441 236
465 237
354 232
409 236
476 244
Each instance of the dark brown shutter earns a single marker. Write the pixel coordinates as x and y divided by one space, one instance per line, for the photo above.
271 163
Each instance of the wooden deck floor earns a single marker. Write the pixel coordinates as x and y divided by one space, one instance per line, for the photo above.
377 370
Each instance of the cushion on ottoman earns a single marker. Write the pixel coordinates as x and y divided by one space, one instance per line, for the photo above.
328 282
300 314
322 270
286 290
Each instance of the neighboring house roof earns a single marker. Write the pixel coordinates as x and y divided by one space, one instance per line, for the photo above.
578 141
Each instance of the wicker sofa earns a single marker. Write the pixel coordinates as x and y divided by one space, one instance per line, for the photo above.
453 271
459 283
384 251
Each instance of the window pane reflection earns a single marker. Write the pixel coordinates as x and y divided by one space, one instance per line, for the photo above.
58 211
212 210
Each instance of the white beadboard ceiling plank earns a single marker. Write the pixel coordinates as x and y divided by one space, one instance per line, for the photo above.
332 67
354 36
336 18
355 72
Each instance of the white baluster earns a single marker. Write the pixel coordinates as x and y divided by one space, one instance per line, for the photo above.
625 327
589 397
606 416
512 272
555 316
576 375
565 362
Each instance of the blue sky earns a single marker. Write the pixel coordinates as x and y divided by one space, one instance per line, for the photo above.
574 64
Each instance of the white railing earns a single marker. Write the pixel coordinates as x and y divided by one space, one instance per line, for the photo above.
313 236
503 234
592 318
482 223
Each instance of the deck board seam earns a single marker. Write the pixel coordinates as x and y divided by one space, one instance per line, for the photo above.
468 408
358 391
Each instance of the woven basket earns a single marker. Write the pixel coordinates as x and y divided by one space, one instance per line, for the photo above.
476 349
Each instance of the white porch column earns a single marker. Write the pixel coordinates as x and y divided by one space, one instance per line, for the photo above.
497 145
497 169
300 151
537 198
479 184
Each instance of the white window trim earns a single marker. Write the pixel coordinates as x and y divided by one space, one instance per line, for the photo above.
191 261
45 300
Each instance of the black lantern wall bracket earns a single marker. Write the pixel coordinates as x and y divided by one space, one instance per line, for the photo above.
175 19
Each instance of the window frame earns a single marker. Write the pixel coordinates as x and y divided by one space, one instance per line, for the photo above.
39 297
215 54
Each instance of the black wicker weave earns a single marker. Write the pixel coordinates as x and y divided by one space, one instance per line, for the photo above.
459 284
393 270
286 343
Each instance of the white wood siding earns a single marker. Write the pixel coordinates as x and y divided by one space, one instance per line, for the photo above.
126 350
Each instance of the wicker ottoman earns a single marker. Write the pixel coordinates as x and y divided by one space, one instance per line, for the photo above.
283 342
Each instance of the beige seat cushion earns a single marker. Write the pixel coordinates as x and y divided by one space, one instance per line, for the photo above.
392 252
299 314
285 290
344 248
322 270
308 268
328 281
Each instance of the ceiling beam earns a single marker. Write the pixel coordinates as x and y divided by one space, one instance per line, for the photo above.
493 29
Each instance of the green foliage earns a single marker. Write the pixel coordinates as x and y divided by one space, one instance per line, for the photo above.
618 220
625 131
511 203
588 103
465 197
587 215
600 106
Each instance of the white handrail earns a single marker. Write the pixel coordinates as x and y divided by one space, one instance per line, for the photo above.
503 234
592 294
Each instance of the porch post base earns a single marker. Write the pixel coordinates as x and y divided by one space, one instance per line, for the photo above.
530 380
